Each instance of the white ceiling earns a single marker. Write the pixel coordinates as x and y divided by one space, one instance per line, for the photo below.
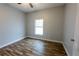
37 6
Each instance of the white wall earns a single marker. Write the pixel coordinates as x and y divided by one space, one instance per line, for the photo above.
53 23
12 26
69 26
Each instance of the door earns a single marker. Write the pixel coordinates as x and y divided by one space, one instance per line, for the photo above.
76 34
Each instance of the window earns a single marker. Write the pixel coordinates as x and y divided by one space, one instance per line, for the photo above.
39 27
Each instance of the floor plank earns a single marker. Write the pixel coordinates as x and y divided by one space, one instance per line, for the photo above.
33 47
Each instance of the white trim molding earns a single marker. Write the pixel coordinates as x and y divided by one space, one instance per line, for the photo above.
53 41
66 49
12 42
45 39
36 38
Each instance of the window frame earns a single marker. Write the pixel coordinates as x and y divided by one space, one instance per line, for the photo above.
37 26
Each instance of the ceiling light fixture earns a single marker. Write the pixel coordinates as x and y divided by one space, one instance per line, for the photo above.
19 3
30 4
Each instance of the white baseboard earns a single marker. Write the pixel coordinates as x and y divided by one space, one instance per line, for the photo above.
66 49
52 40
12 42
46 39
41 39
55 41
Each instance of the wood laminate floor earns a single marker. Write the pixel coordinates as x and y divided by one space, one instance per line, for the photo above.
33 47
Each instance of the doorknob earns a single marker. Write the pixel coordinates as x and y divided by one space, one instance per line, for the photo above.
72 40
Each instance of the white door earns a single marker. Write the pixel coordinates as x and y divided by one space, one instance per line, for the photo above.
76 34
